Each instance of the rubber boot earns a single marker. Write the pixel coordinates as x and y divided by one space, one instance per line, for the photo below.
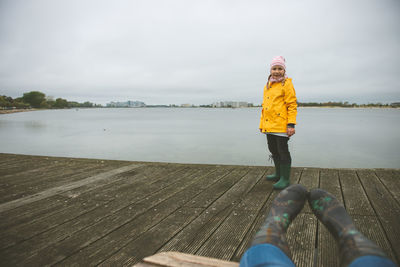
284 181
284 209
352 244
275 176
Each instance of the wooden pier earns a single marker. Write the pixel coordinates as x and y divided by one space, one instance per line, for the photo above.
85 212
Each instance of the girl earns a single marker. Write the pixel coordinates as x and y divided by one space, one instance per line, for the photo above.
278 118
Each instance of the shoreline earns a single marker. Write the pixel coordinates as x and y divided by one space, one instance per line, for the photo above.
9 111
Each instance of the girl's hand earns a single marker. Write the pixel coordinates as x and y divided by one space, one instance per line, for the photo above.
290 131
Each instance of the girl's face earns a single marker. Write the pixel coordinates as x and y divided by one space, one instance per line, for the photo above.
277 71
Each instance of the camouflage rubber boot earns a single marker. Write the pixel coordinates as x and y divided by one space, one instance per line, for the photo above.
352 244
284 209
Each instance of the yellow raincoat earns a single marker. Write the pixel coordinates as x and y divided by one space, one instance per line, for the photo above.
279 107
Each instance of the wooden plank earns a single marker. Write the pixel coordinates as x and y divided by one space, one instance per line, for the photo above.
131 182
96 193
26 162
66 172
110 188
310 179
327 249
177 259
40 169
35 236
18 165
191 238
301 237
223 243
355 199
6 158
35 186
218 189
256 197
329 181
77 204
27 213
228 236
294 177
326 244
105 248
148 243
106 218
391 180
372 229
386 207
117 229
263 212
57 190
179 199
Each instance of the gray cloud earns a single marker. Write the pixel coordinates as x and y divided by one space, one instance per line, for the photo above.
199 51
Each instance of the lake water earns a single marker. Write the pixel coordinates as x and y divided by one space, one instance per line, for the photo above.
325 137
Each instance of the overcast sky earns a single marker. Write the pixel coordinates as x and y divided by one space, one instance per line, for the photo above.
199 51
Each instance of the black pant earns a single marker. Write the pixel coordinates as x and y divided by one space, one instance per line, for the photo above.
278 146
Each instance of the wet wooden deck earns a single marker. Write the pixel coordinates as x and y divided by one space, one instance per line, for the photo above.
84 212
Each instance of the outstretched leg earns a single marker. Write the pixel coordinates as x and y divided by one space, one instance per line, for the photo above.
354 247
269 246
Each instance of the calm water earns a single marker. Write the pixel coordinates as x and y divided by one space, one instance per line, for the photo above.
325 137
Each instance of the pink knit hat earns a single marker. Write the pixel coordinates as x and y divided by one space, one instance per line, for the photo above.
279 60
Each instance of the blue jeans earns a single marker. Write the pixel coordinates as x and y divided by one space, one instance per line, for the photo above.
267 255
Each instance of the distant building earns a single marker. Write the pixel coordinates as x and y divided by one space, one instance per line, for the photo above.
186 105
127 104
231 104
136 104
395 104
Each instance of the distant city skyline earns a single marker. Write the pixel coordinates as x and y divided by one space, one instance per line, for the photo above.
129 103
138 104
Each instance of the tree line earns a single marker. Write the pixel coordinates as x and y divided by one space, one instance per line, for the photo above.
36 99
345 104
